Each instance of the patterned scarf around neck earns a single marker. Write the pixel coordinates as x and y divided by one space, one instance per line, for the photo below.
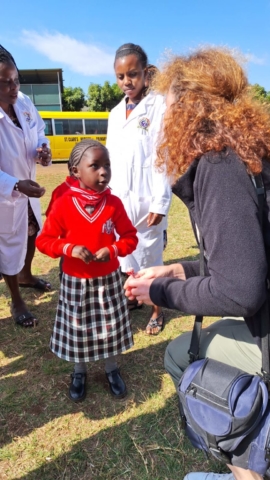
88 197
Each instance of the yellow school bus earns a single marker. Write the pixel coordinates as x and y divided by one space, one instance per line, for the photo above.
65 129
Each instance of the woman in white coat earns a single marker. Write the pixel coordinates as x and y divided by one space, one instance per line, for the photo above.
22 144
133 129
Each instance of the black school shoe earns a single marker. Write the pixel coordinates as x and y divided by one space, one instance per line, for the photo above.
117 385
77 389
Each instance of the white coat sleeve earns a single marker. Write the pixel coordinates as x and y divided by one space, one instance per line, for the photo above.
7 183
162 192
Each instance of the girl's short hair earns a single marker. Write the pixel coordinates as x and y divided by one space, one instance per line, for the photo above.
132 49
79 150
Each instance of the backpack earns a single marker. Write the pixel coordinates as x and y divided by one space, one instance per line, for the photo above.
224 410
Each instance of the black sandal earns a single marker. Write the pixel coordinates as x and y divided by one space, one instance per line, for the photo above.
22 320
40 284
153 323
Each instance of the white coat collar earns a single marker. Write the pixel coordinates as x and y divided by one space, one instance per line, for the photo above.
141 109
22 110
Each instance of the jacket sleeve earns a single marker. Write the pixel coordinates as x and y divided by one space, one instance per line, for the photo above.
162 192
227 208
128 240
49 241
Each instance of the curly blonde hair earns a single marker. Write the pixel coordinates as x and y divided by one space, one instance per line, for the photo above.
213 108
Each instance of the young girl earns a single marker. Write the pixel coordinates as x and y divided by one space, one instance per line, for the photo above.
146 194
92 319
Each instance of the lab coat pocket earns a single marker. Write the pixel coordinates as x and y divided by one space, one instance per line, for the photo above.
7 215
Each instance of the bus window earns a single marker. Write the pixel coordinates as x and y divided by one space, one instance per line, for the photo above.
93 127
48 126
68 127
103 126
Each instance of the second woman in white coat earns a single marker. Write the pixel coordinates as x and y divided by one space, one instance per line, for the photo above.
133 129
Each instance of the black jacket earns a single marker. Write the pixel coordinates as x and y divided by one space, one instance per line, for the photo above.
223 203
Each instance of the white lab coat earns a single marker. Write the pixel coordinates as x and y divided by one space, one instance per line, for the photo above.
17 162
135 179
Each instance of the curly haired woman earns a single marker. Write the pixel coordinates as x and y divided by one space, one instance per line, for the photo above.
215 134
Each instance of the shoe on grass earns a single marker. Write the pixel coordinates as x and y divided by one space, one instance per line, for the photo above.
77 389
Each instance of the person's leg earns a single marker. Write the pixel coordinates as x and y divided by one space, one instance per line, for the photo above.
156 322
19 310
25 276
228 341
111 364
117 385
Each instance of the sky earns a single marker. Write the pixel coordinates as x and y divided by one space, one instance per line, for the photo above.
81 36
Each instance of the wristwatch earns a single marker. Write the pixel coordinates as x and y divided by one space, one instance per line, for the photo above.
16 186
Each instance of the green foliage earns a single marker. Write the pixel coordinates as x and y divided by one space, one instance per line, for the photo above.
73 99
260 93
103 98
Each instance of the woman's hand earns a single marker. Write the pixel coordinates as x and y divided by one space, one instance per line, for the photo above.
139 283
154 219
102 255
139 288
44 155
174 270
81 252
30 188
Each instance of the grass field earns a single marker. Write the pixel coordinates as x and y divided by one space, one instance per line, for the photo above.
44 436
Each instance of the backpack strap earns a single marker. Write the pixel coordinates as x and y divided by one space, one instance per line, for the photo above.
263 314
197 327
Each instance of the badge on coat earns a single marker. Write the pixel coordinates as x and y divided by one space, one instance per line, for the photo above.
28 117
108 227
144 124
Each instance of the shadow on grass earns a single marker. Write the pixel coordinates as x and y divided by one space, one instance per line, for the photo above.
150 446
34 382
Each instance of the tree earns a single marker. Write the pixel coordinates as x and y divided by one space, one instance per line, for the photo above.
73 99
260 93
103 98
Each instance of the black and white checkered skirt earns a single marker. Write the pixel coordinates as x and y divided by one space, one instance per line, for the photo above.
92 319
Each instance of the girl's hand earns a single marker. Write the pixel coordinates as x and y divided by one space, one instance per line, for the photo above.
102 255
81 252
154 219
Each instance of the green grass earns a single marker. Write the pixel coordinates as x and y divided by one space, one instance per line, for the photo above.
44 436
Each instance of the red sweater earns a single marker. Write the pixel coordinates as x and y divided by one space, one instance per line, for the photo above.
59 191
68 224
